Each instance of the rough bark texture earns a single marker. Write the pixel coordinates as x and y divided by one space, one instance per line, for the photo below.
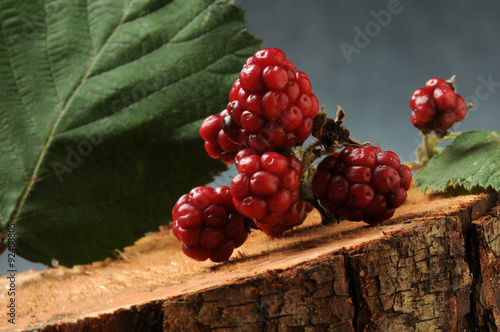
313 296
434 267
486 271
142 318
417 280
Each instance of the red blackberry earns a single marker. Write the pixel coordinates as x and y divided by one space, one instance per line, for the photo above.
436 107
208 225
266 189
271 104
217 142
362 183
293 217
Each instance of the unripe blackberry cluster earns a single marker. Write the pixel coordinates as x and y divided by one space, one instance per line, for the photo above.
436 107
362 183
271 109
207 224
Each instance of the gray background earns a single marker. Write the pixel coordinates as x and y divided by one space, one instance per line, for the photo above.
415 42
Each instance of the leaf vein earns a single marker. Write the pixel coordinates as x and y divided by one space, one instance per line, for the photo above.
167 43
16 80
13 148
145 97
88 26
61 113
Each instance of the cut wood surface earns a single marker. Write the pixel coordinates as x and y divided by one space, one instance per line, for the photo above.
433 266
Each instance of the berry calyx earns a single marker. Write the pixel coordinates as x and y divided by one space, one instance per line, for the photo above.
362 183
208 225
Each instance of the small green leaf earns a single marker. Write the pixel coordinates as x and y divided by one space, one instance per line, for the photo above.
100 107
470 162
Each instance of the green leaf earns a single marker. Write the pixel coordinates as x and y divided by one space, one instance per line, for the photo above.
470 162
100 106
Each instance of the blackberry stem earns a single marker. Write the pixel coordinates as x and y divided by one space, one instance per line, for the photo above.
308 196
428 149
330 135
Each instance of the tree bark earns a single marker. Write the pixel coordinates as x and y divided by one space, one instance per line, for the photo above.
485 267
434 266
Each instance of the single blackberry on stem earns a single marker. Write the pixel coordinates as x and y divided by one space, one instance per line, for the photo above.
437 106
435 109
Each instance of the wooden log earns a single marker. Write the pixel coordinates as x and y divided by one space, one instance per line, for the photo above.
486 270
434 266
